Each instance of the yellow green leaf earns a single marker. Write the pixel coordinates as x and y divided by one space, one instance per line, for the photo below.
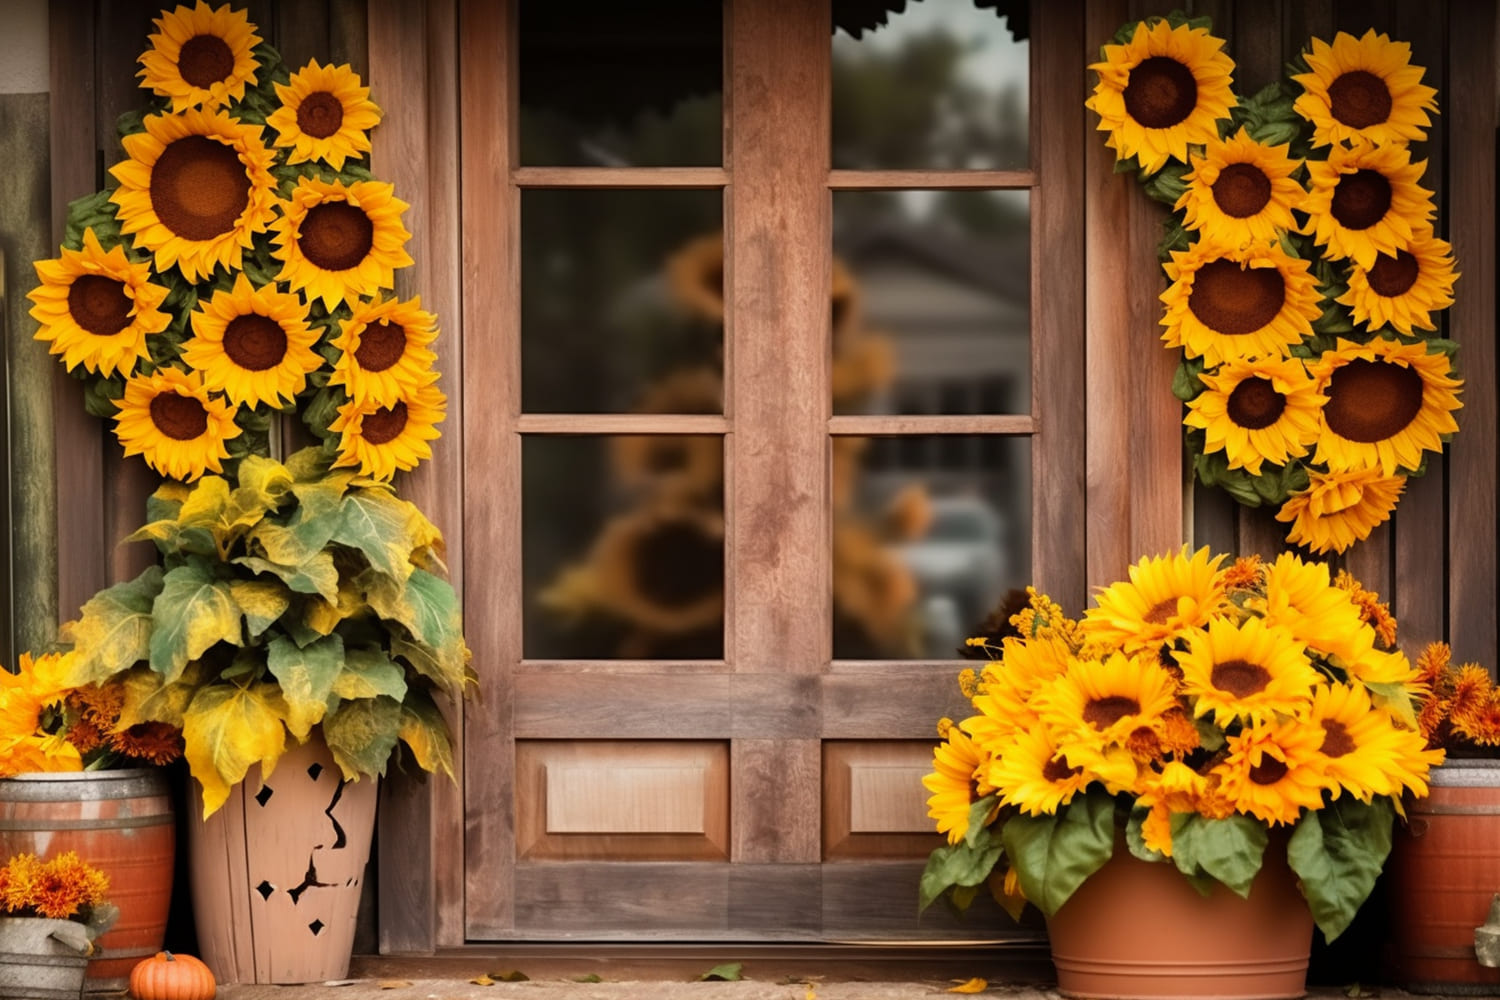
510 976
261 602
114 628
728 972
228 728
975 985
265 478
367 673
149 698
380 526
204 507
315 575
425 732
192 612
362 733
306 675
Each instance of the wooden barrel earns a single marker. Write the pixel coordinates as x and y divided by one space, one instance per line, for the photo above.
120 822
1444 870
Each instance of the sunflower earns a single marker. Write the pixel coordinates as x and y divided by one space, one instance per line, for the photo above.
378 440
1254 301
957 782
196 187
1165 597
1099 702
253 344
337 242
1365 201
1388 402
1364 89
170 419
1274 770
1340 508
872 587
1300 598
1167 87
1241 191
695 276
325 115
662 568
1404 289
1257 410
1368 754
1030 773
1250 671
96 309
200 56
384 352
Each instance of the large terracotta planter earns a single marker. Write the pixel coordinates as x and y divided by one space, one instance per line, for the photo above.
1136 930
277 872
1443 872
122 823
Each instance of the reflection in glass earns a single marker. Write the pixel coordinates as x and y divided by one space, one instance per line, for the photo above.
623 550
942 85
620 290
929 533
940 282
608 84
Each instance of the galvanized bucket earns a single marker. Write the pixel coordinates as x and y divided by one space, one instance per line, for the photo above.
42 959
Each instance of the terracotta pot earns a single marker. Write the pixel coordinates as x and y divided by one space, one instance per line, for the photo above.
1138 930
277 872
121 822
1444 869
42 959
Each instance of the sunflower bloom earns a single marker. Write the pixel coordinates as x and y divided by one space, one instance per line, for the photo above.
170 419
1367 753
1275 770
1257 410
1388 402
196 188
1165 597
1364 90
1340 508
1365 201
1100 702
957 782
337 242
1250 672
1241 191
1163 90
325 115
1404 289
1030 773
379 440
200 57
96 309
384 352
1255 301
1301 598
253 344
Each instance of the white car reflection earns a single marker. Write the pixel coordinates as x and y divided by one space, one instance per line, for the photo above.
960 565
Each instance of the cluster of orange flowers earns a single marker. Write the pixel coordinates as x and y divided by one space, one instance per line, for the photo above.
63 888
1461 710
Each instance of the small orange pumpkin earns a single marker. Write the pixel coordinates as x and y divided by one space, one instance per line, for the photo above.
166 976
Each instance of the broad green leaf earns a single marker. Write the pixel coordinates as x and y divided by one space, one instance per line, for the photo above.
1229 850
1337 852
226 729
308 464
960 864
114 628
425 732
261 602
192 612
1135 839
369 672
380 526
149 698
1054 854
427 663
728 972
265 480
306 674
1394 698
316 575
301 539
204 507
362 734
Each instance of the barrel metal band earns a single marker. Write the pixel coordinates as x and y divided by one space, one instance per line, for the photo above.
117 823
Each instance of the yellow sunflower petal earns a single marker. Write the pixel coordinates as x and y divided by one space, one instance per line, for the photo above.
325 115
253 344
1340 508
1256 411
1241 191
1249 671
380 440
1365 201
1364 89
1165 597
170 420
385 352
1250 302
338 243
200 56
1405 289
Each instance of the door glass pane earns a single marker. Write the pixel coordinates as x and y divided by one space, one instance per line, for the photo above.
635 84
941 85
623 550
929 532
621 301
936 315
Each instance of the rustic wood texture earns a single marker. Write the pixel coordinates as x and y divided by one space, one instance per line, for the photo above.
873 901
874 805
868 425
893 700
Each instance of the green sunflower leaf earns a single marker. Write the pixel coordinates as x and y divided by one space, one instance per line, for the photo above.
1052 855
1228 850
1337 852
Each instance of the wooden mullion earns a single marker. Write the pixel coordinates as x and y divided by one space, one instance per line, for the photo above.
620 177
877 424
934 180
621 423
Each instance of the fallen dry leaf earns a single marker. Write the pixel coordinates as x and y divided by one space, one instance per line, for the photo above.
975 985
510 976
393 984
482 981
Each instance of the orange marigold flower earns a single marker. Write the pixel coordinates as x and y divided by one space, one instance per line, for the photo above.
1245 573
1371 608
1179 734
153 742
1471 691
20 874
1433 663
1481 725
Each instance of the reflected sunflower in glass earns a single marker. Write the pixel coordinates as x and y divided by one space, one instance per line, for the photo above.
96 308
325 115
1403 290
1365 201
1227 302
1240 190
1388 402
171 420
1162 91
384 350
1340 508
200 56
253 344
381 440
196 188
340 242
1364 90
1256 411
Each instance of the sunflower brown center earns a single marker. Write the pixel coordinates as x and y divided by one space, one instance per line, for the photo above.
199 188
1161 92
1242 190
336 236
320 114
1240 678
99 304
384 425
667 456
1161 612
1057 769
255 342
380 346
1336 739
1361 199
676 564
1232 300
205 60
179 417
1255 403
1371 401
1268 771
1359 99
1101 713
1393 276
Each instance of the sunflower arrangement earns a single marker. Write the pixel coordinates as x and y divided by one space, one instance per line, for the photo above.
241 266
1307 281
1199 707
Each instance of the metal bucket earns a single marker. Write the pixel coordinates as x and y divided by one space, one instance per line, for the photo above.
36 963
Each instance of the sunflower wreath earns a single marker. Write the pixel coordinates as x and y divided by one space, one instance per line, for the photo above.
242 265
1307 282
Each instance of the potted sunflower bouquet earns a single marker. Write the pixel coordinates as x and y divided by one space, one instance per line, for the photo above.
1235 737
1307 278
